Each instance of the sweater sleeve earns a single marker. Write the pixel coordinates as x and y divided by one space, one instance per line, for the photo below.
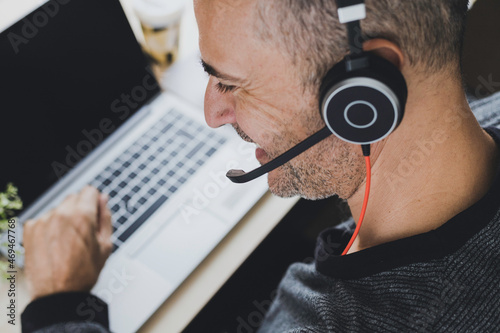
64 312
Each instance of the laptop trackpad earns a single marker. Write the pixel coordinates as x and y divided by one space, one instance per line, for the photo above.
179 247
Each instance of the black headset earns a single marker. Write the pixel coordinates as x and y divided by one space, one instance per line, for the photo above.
362 98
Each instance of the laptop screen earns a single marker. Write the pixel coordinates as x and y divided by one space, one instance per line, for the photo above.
71 73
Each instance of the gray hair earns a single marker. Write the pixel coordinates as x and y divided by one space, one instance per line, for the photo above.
429 32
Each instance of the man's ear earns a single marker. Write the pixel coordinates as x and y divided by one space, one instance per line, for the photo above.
385 49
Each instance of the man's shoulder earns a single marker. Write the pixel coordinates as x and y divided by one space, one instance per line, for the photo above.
486 110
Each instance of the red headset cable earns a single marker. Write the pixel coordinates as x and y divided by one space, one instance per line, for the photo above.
366 154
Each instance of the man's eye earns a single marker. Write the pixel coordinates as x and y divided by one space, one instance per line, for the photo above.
222 88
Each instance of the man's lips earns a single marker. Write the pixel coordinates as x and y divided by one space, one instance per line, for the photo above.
261 155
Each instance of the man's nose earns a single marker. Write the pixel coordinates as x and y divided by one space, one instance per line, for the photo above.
219 107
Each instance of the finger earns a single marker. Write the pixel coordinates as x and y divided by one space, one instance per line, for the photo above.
88 203
104 216
28 231
70 198
67 207
105 228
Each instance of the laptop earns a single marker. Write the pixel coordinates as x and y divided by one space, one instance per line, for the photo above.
80 105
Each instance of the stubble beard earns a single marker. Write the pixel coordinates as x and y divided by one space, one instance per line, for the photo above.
326 169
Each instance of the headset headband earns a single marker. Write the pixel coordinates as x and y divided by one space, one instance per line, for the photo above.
350 13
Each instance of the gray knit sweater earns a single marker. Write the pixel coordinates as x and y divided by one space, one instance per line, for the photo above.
447 280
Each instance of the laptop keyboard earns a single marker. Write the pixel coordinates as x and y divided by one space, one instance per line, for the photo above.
152 169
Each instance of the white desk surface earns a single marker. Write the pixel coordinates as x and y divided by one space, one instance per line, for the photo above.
197 290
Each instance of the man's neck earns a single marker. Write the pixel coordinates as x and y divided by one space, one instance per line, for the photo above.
437 164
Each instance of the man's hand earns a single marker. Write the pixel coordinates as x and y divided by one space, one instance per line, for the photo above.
67 247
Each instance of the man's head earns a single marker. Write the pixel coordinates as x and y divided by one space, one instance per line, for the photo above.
267 58
429 32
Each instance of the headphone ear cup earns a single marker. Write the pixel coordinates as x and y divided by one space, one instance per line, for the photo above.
365 105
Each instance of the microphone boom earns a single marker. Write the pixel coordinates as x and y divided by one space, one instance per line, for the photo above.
240 176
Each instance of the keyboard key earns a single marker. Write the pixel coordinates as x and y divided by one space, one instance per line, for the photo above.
139 221
210 152
195 150
184 133
121 219
166 128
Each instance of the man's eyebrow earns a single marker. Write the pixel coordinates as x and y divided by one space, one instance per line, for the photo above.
213 72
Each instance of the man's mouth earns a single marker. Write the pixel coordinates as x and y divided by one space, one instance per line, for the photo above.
260 154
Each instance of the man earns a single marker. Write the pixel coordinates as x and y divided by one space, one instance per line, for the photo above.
427 256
